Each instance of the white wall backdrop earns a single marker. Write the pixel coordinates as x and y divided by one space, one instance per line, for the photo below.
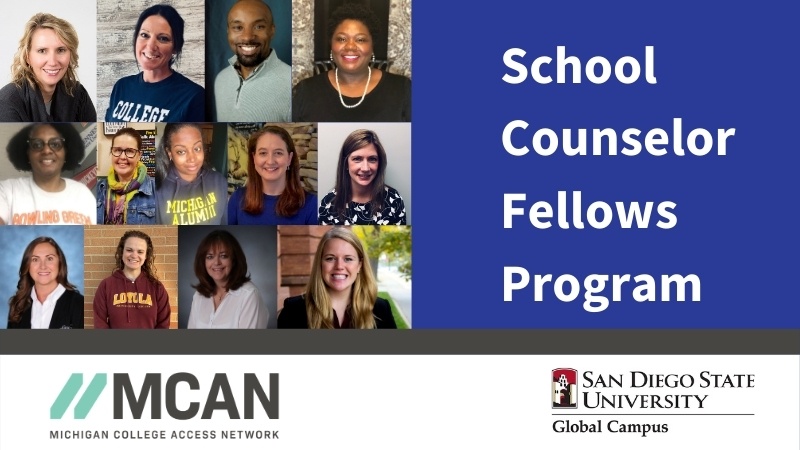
82 14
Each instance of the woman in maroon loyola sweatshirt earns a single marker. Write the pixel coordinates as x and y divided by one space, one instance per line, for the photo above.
132 297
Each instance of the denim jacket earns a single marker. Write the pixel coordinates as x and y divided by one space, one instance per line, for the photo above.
141 208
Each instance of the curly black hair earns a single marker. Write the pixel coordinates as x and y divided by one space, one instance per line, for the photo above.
355 11
74 150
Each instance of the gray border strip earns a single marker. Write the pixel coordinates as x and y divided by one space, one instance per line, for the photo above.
400 342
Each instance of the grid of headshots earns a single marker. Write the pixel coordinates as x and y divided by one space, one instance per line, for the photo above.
234 164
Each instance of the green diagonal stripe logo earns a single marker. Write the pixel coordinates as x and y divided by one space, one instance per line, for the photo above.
70 390
90 395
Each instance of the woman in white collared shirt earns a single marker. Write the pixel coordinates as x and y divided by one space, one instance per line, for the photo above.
225 296
45 298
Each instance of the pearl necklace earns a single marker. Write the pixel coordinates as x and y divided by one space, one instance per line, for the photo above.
339 88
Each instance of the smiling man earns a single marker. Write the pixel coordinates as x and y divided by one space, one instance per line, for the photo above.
256 86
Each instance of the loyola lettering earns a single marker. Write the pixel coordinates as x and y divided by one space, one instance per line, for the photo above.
132 298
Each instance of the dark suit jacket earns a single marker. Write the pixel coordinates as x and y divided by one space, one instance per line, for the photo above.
68 313
293 314
26 104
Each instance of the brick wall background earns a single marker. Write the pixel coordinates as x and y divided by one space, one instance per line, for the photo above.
296 247
100 243
305 137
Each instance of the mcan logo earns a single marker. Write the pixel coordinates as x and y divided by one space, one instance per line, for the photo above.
176 401
565 388
70 390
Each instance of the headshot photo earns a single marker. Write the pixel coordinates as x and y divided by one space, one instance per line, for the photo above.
48 173
228 277
353 64
50 55
273 171
352 277
191 188
248 58
125 189
154 61
44 283
131 277
365 174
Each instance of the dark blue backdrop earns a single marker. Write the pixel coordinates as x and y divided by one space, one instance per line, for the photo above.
718 66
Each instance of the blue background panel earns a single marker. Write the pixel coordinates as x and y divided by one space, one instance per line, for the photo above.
717 66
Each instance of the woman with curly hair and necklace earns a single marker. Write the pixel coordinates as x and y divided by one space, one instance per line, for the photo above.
353 91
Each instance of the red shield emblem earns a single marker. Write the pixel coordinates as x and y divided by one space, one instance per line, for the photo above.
565 388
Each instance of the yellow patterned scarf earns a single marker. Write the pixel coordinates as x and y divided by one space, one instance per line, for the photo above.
120 193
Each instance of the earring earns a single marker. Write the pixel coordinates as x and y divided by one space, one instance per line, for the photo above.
373 57
331 55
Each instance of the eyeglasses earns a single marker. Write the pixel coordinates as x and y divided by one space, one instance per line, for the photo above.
55 144
129 152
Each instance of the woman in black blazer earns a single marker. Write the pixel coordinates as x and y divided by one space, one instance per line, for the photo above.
45 298
341 291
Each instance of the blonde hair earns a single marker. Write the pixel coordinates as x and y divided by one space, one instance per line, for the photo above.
363 294
21 71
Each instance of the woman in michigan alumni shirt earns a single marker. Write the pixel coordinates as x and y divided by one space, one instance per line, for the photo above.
188 191
132 297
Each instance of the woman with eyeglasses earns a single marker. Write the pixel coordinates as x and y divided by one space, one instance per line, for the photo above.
45 198
128 195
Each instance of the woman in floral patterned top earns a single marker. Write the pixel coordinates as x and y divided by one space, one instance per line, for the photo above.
361 197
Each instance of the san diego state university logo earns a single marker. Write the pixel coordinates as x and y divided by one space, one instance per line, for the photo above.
565 388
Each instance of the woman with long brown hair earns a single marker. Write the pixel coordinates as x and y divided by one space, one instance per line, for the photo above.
274 193
132 297
341 291
45 298
361 195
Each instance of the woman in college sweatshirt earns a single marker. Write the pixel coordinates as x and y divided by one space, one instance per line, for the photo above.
132 297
